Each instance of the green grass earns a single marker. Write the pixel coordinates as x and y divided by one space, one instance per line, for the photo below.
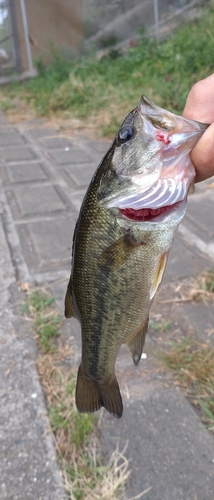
209 281
160 326
46 320
6 104
62 413
193 366
90 88
38 302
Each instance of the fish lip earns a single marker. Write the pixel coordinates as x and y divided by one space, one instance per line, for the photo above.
176 132
148 108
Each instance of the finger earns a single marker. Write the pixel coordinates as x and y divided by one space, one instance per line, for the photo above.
200 103
202 155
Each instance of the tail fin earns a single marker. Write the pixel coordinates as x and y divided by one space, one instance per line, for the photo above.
91 395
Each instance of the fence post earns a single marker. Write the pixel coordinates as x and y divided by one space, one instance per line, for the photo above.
156 19
26 35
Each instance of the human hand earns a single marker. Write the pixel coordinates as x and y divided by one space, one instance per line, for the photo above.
200 106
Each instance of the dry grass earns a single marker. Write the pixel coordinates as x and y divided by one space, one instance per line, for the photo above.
86 473
194 289
193 365
193 361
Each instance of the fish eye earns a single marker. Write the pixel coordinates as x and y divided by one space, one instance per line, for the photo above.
125 134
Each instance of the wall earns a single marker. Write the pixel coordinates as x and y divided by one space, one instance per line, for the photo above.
50 22
55 21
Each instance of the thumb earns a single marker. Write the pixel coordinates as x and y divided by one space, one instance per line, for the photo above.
202 155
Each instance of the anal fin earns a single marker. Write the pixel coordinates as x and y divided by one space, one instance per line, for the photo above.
69 307
91 395
136 342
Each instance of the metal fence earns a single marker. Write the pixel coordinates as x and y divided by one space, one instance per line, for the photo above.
122 18
7 46
13 35
177 7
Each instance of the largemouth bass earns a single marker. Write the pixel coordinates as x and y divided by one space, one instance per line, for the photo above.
129 216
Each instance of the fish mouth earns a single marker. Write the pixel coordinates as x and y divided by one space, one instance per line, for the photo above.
148 214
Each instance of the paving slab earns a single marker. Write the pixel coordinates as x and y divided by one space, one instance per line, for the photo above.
13 154
71 155
46 244
39 200
79 176
197 227
98 146
56 142
197 319
36 133
169 450
185 260
43 184
7 128
23 173
11 139
196 219
76 200
27 456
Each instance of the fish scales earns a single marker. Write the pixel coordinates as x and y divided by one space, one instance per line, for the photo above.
119 258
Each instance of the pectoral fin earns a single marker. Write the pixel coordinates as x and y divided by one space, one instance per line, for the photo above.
137 341
158 275
69 307
118 253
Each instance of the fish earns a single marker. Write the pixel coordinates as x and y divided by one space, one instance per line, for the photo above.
125 229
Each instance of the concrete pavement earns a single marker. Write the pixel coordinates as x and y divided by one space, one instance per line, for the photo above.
43 179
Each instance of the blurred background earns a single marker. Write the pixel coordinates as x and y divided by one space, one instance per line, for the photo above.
84 64
27 28
70 71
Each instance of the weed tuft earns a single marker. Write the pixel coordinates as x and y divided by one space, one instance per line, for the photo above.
83 427
193 366
6 104
38 301
47 322
209 281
